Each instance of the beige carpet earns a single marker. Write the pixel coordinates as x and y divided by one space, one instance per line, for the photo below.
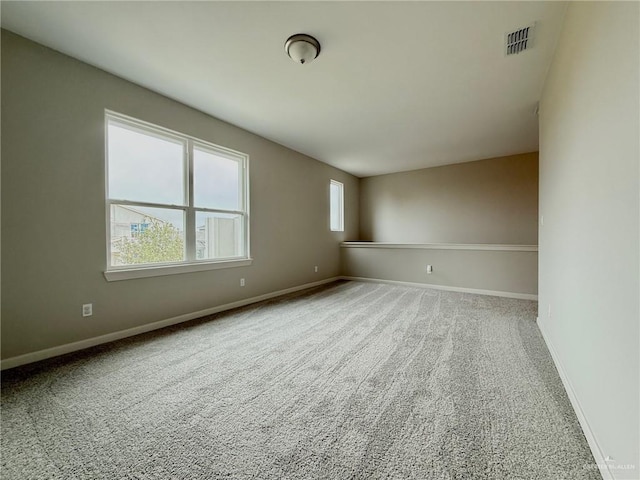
350 380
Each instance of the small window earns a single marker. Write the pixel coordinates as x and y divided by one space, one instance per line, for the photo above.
336 206
172 199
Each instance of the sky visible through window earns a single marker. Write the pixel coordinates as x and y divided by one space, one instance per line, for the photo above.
336 208
215 181
145 168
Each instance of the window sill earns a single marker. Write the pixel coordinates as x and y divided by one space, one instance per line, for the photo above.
162 270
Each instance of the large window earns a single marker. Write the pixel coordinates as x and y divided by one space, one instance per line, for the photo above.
172 199
336 206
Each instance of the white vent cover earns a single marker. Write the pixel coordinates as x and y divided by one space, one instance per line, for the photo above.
519 40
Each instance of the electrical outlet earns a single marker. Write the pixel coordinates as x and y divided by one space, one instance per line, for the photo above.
242 282
87 309
315 269
429 269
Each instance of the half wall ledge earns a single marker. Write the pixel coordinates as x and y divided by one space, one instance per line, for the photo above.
503 270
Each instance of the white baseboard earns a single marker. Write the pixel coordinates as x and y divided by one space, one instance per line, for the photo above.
110 337
495 293
598 455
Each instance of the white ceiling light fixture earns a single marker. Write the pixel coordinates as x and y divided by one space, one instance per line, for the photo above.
302 48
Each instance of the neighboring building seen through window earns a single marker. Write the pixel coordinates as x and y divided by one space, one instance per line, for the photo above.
336 206
172 198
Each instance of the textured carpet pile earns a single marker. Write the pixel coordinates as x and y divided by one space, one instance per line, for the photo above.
349 380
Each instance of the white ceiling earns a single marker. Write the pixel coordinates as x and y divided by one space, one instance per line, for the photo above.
397 86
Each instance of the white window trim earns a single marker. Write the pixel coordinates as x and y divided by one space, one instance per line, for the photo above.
126 272
341 207
158 270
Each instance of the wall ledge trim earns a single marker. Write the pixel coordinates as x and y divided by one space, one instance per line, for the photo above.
494 293
130 332
443 246
598 455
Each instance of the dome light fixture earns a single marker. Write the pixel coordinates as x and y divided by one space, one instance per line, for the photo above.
302 48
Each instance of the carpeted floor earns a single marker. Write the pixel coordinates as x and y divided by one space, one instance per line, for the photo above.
349 380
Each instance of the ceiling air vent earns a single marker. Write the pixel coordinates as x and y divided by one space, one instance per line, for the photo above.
519 40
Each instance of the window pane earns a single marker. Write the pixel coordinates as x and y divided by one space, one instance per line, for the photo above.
336 206
216 181
143 235
144 167
219 235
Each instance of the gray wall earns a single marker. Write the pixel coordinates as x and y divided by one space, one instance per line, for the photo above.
492 201
487 201
589 243
508 272
53 213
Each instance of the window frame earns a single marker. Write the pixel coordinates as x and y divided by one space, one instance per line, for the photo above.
340 185
190 263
